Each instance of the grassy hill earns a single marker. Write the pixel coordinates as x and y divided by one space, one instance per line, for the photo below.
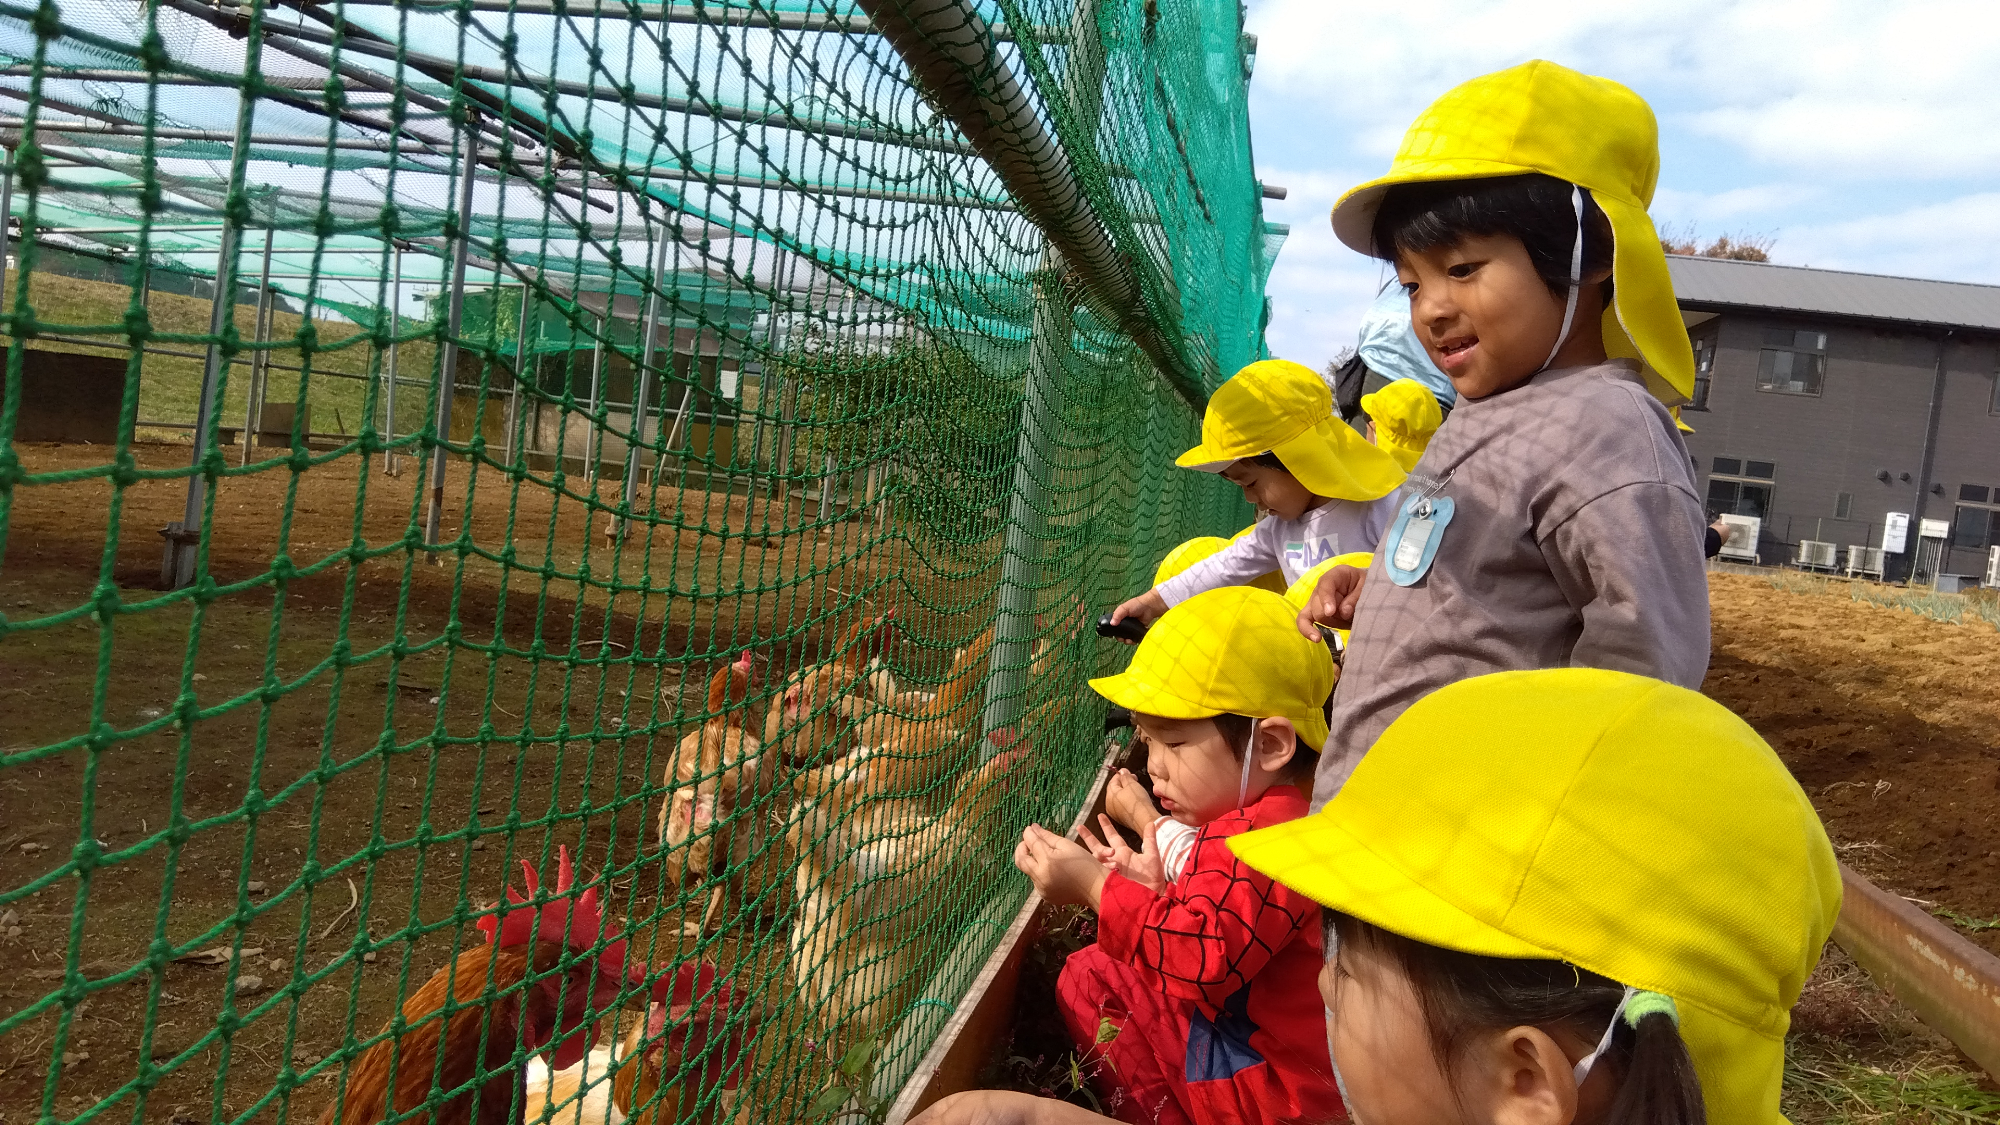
170 386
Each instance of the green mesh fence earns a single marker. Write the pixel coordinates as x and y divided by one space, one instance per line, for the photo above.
439 437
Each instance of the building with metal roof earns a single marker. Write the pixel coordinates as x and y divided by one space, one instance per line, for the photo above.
1855 416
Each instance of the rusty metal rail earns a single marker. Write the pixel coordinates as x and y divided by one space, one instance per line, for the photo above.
1951 984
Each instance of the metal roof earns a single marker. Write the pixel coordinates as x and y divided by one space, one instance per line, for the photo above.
1946 304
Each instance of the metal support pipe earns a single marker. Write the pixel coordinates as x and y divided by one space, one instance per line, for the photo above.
641 378
389 362
952 55
709 15
6 214
448 354
1926 462
593 440
184 539
253 397
1049 355
520 373
1950 983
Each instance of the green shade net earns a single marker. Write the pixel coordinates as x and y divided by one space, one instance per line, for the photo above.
737 349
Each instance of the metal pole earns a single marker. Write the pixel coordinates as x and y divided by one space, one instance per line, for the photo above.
395 329
593 439
651 327
6 214
520 373
1049 352
183 539
448 355
253 398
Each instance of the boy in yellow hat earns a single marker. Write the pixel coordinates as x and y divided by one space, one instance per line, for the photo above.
1555 521
1607 915
1271 431
1196 1004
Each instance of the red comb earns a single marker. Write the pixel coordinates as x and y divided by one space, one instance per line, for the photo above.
567 916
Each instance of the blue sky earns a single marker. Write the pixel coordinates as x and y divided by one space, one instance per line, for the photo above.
1861 136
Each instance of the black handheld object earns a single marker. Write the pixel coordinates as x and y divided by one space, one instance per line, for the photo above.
1117 718
1128 630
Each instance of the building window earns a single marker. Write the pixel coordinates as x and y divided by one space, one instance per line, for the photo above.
1793 362
1975 528
1843 505
1704 365
1740 487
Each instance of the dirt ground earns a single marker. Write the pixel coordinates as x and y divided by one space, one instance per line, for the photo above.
1885 716
199 824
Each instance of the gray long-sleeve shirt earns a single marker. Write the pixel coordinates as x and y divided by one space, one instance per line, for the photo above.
1575 541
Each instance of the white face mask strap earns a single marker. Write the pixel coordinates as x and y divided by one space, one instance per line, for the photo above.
1243 783
1575 279
1582 1068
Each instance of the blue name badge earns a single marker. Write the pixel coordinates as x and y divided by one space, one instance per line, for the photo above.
1413 539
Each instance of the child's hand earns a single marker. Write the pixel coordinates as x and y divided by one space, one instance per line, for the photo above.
1147 607
1333 600
1061 870
1128 802
1145 867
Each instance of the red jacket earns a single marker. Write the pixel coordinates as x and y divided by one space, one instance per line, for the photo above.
1245 952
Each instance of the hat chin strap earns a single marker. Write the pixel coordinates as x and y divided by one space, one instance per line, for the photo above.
1581 1070
1243 783
1575 279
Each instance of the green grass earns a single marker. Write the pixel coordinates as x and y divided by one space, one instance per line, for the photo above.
170 386
1827 1086
1952 609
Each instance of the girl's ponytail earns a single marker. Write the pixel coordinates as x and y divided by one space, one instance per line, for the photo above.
1657 1083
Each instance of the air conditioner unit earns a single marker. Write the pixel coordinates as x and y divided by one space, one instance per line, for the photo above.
1992 567
1864 562
1814 554
1740 545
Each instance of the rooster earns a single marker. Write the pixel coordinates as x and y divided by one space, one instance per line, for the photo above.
866 882
813 709
718 782
462 1030
660 1064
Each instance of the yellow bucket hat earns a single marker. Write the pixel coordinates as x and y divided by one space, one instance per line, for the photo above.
1627 826
1679 424
1405 414
1592 132
1200 547
1233 650
1277 406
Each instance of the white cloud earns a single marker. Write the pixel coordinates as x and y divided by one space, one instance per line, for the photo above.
1951 241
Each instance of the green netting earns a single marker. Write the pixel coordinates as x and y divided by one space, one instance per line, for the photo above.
565 357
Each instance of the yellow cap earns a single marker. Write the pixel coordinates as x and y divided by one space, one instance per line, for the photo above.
1233 650
1405 414
1678 423
1301 592
1200 547
1277 406
1624 825
1188 554
1593 132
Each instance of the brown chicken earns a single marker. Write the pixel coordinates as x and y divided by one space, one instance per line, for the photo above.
532 1000
909 756
719 782
867 881
810 718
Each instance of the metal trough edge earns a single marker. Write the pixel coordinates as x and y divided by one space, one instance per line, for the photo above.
1950 983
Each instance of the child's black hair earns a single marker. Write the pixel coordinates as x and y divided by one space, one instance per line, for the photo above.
1534 208
1236 732
1462 993
1269 461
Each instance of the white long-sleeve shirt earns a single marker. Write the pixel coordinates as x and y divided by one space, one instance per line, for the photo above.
1290 547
